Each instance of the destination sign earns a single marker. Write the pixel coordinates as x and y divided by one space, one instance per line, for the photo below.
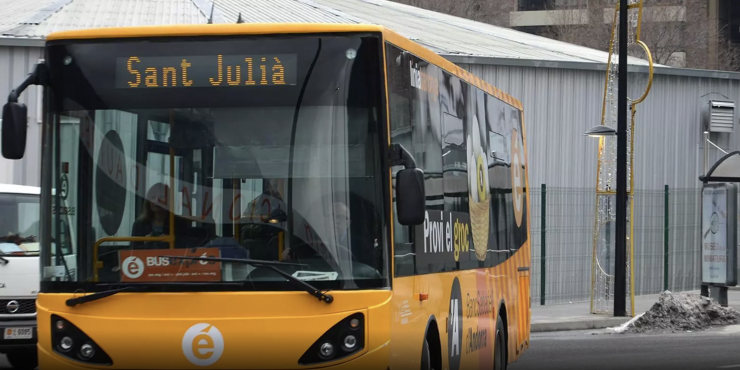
141 72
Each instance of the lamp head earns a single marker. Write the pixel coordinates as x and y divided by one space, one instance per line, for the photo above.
600 131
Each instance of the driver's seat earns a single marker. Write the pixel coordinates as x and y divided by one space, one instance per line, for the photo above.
261 241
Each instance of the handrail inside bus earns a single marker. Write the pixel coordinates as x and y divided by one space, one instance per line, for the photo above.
170 239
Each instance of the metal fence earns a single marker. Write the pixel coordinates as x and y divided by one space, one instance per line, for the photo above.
666 231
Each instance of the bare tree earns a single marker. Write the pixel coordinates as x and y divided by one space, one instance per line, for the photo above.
576 25
494 12
678 33
728 53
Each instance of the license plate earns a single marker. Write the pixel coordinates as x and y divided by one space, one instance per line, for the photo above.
18 333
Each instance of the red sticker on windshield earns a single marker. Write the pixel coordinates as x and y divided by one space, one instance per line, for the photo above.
152 265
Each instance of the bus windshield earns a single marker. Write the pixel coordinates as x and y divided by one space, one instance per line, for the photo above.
260 147
19 224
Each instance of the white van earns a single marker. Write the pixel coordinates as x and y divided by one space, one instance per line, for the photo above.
19 273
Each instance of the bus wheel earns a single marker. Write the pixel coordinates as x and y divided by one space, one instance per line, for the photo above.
426 359
499 354
26 360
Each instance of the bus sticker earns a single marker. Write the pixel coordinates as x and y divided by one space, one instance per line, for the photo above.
151 265
455 325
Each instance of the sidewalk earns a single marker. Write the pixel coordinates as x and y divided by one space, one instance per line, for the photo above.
576 316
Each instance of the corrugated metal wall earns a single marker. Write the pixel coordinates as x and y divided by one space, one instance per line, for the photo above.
15 64
559 105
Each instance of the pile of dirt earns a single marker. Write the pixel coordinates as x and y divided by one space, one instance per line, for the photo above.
680 312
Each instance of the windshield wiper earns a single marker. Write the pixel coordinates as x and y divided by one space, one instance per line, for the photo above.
272 265
4 260
100 295
129 288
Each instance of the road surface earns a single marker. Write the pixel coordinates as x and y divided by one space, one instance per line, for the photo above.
717 348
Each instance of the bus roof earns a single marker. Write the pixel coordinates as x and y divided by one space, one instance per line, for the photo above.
19 189
211 30
284 28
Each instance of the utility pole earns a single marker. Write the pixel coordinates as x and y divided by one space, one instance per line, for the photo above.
620 258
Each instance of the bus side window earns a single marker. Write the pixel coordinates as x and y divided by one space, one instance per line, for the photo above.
401 133
455 162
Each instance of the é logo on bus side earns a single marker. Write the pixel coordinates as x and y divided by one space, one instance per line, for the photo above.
454 326
203 344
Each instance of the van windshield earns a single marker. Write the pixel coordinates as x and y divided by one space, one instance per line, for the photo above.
19 224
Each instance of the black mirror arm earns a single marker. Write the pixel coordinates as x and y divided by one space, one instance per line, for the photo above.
401 156
33 78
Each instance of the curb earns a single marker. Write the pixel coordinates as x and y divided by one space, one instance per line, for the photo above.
578 325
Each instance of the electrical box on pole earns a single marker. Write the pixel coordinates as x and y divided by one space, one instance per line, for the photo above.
719 116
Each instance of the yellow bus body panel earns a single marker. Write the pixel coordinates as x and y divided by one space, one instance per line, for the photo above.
262 330
411 315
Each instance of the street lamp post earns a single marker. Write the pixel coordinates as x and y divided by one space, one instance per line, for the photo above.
620 252
620 255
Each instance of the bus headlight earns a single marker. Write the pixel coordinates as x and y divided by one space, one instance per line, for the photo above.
348 335
350 342
327 350
87 350
66 344
70 342
354 323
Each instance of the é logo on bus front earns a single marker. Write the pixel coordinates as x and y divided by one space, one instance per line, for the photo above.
203 344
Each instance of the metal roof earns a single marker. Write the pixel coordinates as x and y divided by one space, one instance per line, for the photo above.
12 12
77 14
444 34
283 11
450 35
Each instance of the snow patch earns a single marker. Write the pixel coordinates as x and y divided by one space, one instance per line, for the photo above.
622 328
680 312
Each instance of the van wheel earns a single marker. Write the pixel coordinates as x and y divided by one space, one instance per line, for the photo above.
500 347
25 360
426 359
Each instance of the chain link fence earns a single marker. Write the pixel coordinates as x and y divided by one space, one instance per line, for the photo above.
666 235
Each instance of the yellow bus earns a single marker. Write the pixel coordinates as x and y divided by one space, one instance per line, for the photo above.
275 196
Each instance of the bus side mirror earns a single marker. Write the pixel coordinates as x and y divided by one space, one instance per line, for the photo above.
15 116
410 196
410 193
14 129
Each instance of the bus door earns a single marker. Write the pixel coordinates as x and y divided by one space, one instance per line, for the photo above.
179 162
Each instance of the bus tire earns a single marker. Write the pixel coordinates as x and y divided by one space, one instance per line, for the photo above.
426 358
25 360
500 347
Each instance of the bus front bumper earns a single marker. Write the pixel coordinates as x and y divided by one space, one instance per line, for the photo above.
377 358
